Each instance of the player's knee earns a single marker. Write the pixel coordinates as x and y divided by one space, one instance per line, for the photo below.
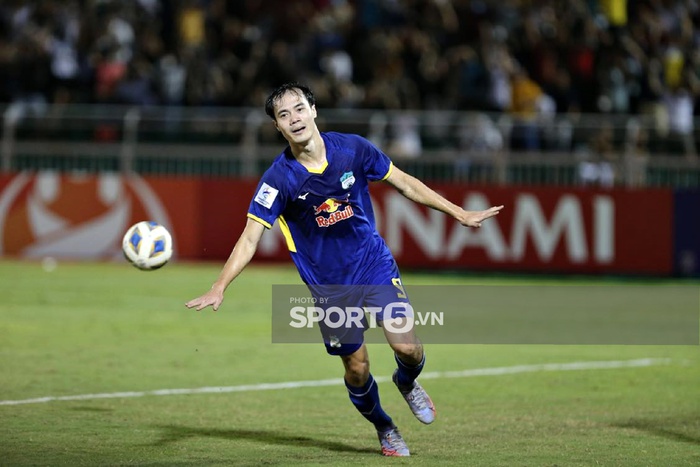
411 354
357 373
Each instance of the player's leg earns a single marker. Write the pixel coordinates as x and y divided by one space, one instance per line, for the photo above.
363 389
410 359
396 316
392 307
397 323
348 344
364 394
408 351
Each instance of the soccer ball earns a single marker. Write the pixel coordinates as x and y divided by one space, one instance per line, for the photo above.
147 245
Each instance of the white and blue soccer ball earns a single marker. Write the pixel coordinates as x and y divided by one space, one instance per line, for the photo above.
147 245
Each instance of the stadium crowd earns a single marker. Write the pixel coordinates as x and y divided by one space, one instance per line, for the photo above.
523 58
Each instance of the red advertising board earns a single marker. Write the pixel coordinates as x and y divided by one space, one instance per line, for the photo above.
85 216
540 229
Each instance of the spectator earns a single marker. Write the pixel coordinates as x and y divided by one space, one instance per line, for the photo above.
405 140
136 87
171 77
526 94
599 166
480 142
679 106
636 154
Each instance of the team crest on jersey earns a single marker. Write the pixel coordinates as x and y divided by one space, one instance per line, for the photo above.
347 180
336 209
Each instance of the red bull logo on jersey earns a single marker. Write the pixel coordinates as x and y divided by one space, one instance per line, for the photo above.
337 210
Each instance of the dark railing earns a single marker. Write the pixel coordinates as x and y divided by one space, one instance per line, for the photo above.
460 147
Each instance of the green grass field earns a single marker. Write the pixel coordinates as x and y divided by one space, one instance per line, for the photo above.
90 329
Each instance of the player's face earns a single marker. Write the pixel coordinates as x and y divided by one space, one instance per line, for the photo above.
294 118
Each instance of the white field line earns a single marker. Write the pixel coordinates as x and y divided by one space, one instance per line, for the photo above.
496 371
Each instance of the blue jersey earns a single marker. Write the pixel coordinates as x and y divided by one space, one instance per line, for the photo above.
326 215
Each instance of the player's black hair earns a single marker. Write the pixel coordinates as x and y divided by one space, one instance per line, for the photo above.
281 90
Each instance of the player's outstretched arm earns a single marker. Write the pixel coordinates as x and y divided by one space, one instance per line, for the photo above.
417 191
240 257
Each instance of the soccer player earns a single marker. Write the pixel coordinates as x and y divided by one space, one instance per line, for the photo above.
317 189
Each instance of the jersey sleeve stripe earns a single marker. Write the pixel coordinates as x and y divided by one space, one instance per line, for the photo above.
388 172
261 221
287 235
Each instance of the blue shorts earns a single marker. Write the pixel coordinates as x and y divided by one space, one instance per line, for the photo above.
347 307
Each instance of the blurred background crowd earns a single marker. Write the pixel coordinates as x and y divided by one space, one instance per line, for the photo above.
528 59
583 55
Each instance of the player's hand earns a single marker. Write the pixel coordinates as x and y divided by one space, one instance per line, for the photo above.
475 218
212 298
